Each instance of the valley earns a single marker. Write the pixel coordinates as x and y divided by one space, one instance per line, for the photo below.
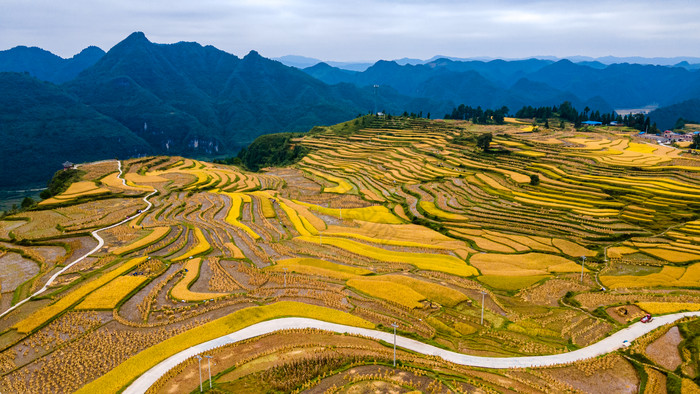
546 241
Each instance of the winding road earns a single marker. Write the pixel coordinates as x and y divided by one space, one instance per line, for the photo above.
607 345
100 244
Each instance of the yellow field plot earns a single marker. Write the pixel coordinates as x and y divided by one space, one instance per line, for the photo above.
141 179
673 256
572 249
237 253
409 235
510 283
398 210
310 221
424 261
485 243
516 176
116 379
430 208
660 308
668 277
491 182
546 202
641 148
266 206
432 291
181 290
497 237
507 143
617 252
203 178
597 212
371 196
514 120
81 188
109 295
235 213
43 315
76 190
530 153
156 235
318 267
201 246
343 186
389 291
528 264
538 243
113 180
375 213
297 221
527 128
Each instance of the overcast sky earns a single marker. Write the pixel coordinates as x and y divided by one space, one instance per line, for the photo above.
363 30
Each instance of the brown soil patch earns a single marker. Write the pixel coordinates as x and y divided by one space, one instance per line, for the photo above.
625 313
614 375
14 270
664 351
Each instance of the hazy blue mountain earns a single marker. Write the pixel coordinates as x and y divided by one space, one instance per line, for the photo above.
304 62
621 85
47 66
42 126
491 84
329 74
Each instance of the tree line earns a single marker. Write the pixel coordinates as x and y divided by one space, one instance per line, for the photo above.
478 115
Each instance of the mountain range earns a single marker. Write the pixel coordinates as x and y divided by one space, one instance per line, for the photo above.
144 98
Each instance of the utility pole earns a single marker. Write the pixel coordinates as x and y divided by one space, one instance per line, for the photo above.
394 325
209 357
483 299
583 259
199 360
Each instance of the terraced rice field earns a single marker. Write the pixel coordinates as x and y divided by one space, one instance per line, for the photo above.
393 223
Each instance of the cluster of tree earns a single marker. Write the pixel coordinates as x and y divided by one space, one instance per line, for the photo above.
60 182
478 115
696 142
269 150
414 115
566 111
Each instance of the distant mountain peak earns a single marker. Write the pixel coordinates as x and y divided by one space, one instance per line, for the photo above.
136 36
253 55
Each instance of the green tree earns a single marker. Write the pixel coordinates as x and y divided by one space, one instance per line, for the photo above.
696 142
28 202
534 179
484 140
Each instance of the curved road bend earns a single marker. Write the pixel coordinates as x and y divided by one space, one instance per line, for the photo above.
100 244
607 345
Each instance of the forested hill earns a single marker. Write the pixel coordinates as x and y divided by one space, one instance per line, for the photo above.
42 126
47 66
199 101
181 98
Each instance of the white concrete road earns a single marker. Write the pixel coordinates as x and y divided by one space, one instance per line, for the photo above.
100 244
607 345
